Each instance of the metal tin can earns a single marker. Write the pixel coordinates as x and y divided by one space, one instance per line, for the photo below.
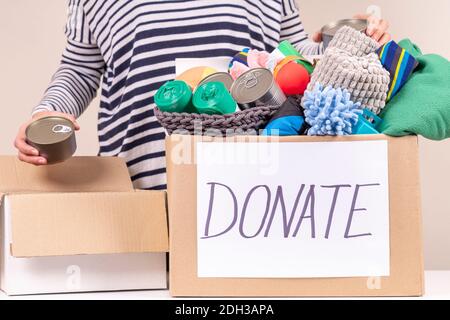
257 87
223 77
329 30
174 96
214 98
53 137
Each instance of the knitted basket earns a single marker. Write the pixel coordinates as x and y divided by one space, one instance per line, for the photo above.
241 122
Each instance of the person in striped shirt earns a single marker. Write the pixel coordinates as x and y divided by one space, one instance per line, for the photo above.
129 48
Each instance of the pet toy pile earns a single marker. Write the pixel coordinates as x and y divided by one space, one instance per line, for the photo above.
357 87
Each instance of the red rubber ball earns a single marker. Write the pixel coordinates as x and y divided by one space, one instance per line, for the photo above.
293 79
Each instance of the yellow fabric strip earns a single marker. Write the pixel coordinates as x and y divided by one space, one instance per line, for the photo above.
382 51
396 74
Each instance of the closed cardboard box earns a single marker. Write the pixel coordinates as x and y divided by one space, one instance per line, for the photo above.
294 216
79 226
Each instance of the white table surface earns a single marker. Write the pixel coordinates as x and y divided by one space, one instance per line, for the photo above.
437 286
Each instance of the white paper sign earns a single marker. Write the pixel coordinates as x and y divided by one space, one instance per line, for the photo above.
293 210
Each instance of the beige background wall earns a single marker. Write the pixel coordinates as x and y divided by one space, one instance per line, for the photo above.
32 39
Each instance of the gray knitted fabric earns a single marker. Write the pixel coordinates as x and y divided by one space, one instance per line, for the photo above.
347 65
354 42
239 123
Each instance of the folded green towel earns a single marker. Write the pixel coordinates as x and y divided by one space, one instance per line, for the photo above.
422 106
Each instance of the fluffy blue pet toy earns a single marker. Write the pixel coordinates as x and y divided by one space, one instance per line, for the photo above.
330 112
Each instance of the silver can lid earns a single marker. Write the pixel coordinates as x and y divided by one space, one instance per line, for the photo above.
333 27
223 77
252 85
49 130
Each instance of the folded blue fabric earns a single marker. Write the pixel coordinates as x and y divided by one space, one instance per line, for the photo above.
400 64
287 121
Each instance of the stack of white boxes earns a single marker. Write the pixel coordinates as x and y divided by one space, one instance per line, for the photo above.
79 226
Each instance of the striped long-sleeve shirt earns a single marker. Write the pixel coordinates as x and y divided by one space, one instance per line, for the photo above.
130 46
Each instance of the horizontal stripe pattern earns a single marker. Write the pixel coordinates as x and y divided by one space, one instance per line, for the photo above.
129 47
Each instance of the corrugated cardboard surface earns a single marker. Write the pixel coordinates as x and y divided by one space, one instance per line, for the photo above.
406 277
53 224
76 174
76 273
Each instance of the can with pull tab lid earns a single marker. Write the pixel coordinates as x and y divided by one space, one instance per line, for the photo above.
53 137
257 87
174 96
223 77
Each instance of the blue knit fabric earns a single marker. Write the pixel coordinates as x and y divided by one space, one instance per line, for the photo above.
285 126
330 112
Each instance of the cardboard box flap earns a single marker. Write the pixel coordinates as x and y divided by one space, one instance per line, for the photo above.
76 174
55 224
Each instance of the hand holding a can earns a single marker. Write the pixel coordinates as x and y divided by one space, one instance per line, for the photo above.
28 153
377 29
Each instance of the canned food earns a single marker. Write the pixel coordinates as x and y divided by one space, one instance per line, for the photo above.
53 137
257 87
214 98
174 96
329 30
223 77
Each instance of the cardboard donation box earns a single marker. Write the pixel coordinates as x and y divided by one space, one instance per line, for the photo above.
294 216
79 226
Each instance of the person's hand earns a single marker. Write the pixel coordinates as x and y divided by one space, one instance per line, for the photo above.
377 28
317 37
26 152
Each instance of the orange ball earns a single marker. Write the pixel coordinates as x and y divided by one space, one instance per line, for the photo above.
292 78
